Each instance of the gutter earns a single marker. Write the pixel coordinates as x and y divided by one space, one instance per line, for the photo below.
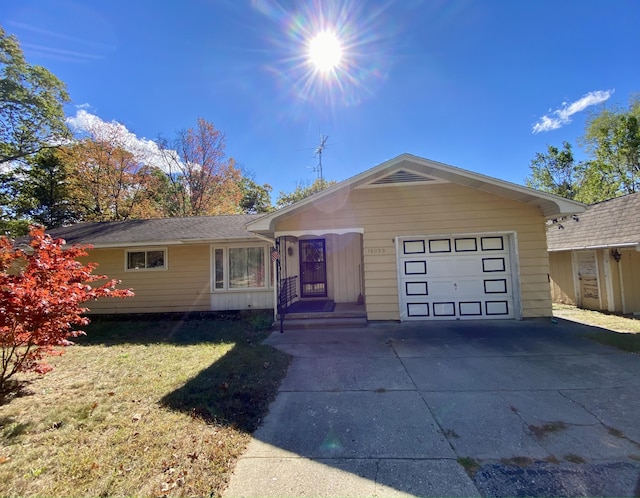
154 243
635 245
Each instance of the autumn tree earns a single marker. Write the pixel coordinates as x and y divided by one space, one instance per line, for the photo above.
204 181
110 181
42 289
301 191
31 104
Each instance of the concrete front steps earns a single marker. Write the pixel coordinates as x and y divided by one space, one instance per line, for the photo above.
345 315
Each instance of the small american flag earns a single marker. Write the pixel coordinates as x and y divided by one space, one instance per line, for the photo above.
274 255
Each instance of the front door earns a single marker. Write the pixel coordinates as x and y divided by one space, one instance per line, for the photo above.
313 268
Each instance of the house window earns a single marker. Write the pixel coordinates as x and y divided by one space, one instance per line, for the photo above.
151 259
239 268
219 268
246 267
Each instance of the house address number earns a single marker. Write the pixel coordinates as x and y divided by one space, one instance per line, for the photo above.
376 250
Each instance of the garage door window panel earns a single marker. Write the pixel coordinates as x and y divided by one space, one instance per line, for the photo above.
418 309
495 286
492 243
437 246
466 244
470 308
444 309
493 265
417 288
413 247
415 267
496 308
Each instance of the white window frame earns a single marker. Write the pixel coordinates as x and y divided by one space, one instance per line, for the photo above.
266 255
165 267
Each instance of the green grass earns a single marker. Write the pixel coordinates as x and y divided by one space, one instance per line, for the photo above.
625 341
622 332
145 407
470 465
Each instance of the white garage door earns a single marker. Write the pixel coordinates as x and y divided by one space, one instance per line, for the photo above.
455 277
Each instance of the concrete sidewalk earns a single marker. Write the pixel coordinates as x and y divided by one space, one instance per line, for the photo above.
526 408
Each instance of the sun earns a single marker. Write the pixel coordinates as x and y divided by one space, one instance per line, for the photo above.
325 51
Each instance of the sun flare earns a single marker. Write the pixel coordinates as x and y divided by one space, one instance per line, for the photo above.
325 51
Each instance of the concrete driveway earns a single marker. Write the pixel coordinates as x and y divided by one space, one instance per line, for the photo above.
492 408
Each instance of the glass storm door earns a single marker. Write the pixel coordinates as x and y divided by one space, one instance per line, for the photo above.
313 268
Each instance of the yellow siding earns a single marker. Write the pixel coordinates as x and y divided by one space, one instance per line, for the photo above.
388 212
615 284
562 282
631 280
184 286
344 258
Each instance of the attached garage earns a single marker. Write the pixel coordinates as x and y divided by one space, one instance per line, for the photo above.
456 277
437 242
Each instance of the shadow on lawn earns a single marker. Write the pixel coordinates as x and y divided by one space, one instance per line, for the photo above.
236 389
177 328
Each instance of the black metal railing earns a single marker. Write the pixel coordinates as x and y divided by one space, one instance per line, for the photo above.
286 296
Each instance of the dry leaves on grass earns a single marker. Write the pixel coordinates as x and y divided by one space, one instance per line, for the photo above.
97 424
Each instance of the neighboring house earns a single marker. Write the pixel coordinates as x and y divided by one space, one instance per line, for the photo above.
412 238
595 257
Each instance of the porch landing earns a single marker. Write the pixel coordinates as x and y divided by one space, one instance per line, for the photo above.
350 315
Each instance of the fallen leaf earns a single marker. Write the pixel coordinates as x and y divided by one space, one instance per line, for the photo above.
4 459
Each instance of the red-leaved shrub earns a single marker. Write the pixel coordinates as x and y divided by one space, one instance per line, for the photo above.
42 289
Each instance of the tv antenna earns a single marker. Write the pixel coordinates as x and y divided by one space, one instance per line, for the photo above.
318 153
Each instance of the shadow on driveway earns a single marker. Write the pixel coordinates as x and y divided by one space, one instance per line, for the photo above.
492 408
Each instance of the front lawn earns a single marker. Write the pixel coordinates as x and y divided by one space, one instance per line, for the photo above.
622 332
146 407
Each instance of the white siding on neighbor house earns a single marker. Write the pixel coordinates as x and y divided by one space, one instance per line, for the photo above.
389 212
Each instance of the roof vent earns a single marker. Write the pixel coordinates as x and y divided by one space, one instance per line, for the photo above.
402 176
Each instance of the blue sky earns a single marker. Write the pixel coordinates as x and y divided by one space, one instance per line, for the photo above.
482 85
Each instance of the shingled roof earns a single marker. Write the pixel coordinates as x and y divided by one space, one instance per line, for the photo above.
612 223
158 231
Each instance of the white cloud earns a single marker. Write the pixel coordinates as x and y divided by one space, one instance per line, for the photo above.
144 150
562 116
